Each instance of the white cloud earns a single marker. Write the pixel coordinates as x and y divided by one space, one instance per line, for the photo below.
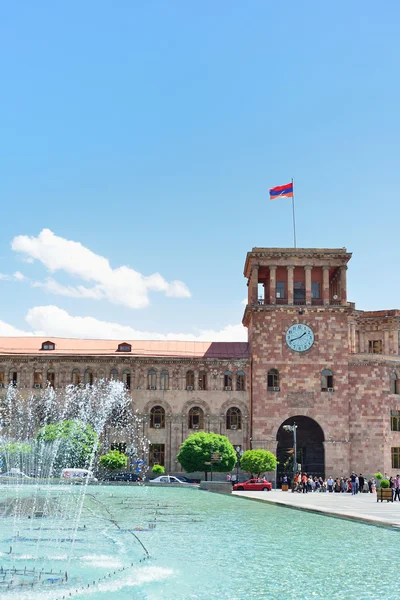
19 276
53 321
7 330
123 285
79 291
244 301
5 277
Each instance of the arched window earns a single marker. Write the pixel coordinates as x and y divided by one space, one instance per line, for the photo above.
157 417
273 380
13 378
203 380
37 378
326 381
240 381
164 380
151 379
88 377
196 418
126 378
190 380
48 346
76 377
51 377
233 418
395 380
228 381
114 375
124 347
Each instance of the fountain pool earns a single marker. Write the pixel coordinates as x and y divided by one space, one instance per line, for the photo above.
152 543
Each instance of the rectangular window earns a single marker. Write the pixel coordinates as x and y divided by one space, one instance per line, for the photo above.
157 454
375 346
395 458
395 420
315 290
120 446
299 291
280 289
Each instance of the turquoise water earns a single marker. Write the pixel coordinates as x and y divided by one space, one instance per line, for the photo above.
201 546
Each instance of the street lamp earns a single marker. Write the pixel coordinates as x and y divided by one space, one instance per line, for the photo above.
293 428
239 454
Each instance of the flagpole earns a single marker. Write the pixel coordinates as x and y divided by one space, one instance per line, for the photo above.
294 219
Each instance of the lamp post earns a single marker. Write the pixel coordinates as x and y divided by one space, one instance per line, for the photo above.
239 454
293 429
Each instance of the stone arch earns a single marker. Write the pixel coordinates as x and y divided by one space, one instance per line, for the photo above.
196 402
310 447
234 402
157 402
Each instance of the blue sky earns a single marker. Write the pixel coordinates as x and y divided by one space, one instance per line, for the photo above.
149 133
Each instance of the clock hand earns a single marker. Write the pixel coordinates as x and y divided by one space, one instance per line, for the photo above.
300 336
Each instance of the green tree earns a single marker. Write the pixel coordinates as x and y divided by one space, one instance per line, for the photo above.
158 470
198 448
72 442
258 461
113 460
14 455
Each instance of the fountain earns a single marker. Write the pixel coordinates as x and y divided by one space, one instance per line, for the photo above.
46 522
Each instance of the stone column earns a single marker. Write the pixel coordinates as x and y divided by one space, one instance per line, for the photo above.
386 345
325 284
254 284
361 336
308 269
272 284
353 338
343 284
290 273
395 341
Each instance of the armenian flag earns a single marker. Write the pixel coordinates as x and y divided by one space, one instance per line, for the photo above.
282 191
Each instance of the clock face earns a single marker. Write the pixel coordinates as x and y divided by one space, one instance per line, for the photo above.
299 337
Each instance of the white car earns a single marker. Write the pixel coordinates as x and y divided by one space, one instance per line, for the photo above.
168 479
15 474
77 474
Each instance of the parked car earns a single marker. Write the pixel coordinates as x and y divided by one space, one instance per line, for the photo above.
256 485
185 479
124 476
77 474
167 479
15 474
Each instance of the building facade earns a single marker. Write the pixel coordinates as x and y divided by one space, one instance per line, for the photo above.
312 360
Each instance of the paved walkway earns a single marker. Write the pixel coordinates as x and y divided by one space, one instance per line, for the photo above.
361 507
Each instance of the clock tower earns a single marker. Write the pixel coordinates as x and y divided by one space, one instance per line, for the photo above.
300 334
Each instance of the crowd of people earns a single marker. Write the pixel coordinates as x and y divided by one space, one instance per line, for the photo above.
305 483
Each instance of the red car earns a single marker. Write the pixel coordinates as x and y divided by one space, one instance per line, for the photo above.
256 485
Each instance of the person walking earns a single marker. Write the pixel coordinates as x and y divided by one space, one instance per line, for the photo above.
361 481
304 483
397 489
353 478
330 483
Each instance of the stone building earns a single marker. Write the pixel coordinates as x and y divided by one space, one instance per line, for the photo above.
312 360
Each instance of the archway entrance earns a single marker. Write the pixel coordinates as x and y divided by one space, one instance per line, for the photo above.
310 447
